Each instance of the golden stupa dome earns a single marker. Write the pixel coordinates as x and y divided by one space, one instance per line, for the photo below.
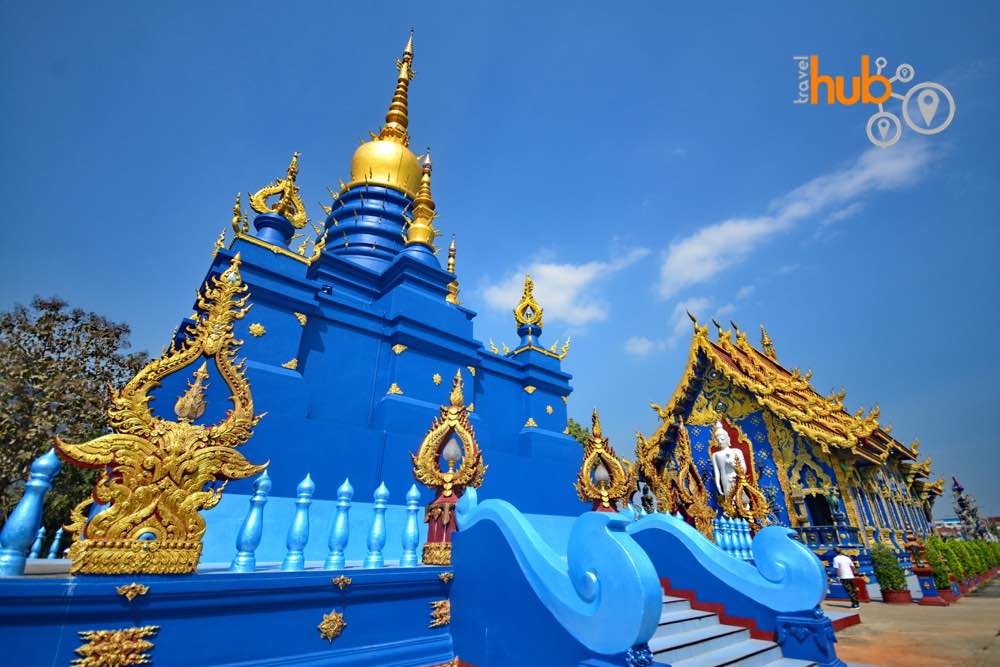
386 159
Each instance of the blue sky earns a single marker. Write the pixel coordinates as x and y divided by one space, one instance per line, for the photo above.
638 159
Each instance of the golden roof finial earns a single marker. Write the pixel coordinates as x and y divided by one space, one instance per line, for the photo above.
767 344
528 311
239 221
397 119
421 228
457 399
289 205
596 421
453 285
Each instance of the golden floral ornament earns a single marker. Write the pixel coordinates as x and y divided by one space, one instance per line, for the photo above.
291 364
530 389
132 591
115 648
548 410
398 348
440 613
528 312
341 581
289 204
604 479
446 577
257 329
531 423
436 378
331 626
450 430
156 475
394 390
302 318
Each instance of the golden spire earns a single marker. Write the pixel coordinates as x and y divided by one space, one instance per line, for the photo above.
397 119
421 228
453 285
386 160
767 344
191 404
596 421
528 311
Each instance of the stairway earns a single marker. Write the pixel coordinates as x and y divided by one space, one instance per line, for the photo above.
690 638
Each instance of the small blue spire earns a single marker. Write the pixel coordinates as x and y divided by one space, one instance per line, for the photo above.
23 523
376 534
298 532
252 529
411 532
340 533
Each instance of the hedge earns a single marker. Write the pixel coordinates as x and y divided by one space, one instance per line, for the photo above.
938 561
887 570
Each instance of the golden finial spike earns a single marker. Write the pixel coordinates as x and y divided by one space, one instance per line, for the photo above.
397 119
767 344
289 204
457 399
421 228
453 285
237 221
596 421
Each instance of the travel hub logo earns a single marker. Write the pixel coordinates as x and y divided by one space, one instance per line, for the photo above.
927 107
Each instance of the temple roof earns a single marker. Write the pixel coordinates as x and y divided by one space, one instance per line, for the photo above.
787 393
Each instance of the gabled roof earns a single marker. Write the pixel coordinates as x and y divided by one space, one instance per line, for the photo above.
787 393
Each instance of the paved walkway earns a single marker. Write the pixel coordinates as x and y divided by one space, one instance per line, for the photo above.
967 633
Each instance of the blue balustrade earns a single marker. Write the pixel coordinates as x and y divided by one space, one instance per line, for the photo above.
248 539
36 546
411 530
376 534
23 523
56 542
298 532
340 533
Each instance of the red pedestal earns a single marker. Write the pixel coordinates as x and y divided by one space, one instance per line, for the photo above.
947 595
863 596
897 597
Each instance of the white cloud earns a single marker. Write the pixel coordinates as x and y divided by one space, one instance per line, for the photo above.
744 291
843 213
712 249
640 346
563 290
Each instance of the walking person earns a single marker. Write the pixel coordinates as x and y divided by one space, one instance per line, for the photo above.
843 566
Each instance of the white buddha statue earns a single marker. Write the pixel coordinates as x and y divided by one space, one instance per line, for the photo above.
724 464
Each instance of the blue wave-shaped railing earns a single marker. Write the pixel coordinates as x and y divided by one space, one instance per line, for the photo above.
779 593
605 593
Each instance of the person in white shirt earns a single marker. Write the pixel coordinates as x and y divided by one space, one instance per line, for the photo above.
843 566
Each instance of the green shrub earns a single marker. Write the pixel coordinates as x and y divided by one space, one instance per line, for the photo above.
887 570
965 556
950 552
937 560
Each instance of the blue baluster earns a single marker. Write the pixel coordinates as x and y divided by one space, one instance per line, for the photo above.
725 543
341 531
748 538
298 532
718 532
411 534
745 538
376 534
22 524
731 546
248 539
56 541
36 546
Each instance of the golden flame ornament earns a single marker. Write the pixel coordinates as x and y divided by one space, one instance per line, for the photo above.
289 204
158 474
604 479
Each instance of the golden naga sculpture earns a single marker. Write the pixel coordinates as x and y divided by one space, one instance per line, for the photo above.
687 489
158 474
450 437
528 311
604 479
290 205
648 467
745 500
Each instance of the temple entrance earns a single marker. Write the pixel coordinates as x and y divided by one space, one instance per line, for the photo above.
819 510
